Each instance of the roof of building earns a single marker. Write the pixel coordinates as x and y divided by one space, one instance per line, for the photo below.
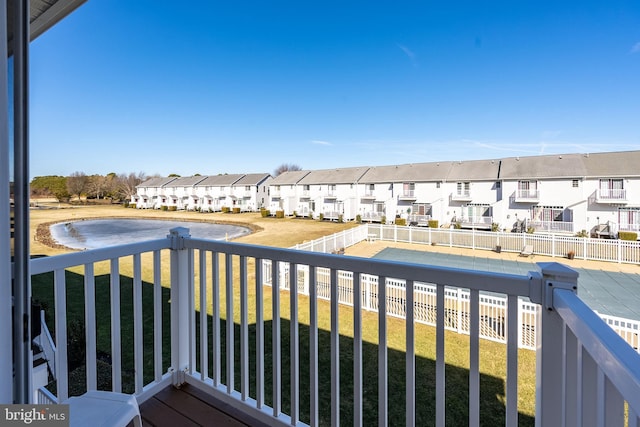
252 179
474 170
334 176
158 181
414 172
616 164
220 180
540 167
289 178
186 181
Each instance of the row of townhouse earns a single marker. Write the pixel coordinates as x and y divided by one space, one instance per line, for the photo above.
598 193
248 192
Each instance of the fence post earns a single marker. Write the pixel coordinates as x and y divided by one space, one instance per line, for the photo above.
181 304
550 327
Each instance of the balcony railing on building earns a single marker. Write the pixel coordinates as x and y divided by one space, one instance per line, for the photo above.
611 195
524 195
585 371
462 196
476 221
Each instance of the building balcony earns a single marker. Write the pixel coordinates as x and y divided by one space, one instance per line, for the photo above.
330 195
285 359
369 195
462 196
527 196
407 195
615 196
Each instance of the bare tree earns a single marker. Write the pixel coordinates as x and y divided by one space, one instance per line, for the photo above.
286 167
127 184
77 184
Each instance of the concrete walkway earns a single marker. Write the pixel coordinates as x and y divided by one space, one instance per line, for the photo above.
609 288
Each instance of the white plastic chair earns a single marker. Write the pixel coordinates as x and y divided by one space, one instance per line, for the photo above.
98 408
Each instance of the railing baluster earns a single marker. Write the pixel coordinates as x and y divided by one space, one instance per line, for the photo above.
512 360
191 310
215 317
440 396
204 330
275 338
244 330
474 358
613 405
313 348
116 344
383 382
410 355
357 350
230 344
137 323
62 366
589 390
573 382
259 335
157 316
335 350
90 325
294 347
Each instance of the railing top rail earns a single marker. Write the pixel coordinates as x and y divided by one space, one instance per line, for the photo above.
614 356
509 284
46 264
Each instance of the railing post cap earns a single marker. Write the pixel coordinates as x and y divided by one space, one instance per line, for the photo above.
179 231
557 271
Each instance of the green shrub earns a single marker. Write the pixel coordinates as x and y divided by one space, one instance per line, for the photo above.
628 235
295 213
164 208
321 216
530 230
226 209
279 214
340 218
433 223
401 221
264 213
359 219
236 210
495 227
383 220
173 208
130 205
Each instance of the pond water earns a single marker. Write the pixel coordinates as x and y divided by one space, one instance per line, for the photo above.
93 234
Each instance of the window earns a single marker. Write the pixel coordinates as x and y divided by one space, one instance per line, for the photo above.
611 189
547 213
498 184
437 184
629 219
463 188
305 187
575 183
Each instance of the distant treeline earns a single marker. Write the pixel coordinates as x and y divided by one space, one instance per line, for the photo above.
117 187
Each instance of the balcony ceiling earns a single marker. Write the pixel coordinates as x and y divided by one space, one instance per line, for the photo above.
44 14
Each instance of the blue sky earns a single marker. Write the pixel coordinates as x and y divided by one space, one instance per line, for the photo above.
214 87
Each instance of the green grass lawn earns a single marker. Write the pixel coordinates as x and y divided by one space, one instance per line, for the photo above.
493 357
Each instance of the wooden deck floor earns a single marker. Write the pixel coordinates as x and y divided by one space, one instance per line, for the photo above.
189 406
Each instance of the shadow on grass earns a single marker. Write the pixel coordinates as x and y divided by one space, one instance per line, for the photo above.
492 389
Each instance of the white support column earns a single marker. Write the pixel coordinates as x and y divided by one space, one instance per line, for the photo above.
550 342
22 357
179 304
6 340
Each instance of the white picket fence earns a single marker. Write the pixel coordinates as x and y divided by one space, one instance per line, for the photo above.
492 307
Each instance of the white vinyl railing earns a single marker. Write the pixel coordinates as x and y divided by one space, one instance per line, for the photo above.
553 245
492 308
214 281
